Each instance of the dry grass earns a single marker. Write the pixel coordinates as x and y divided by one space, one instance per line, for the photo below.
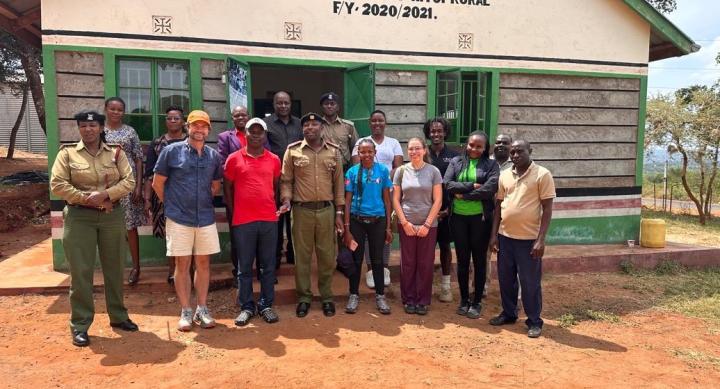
686 229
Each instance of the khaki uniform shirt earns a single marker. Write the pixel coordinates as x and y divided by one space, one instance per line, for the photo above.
312 176
342 133
521 209
76 173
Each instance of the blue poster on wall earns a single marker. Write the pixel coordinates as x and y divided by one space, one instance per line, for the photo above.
237 83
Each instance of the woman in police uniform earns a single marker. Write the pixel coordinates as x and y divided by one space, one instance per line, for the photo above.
92 176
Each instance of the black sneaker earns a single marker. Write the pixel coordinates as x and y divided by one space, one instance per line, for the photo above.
534 332
501 320
269 315
421 309
474 311
463 309
410 309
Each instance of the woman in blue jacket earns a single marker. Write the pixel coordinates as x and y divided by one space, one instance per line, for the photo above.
471 180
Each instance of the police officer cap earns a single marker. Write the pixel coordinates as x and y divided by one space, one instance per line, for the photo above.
311 116
88 115
329 96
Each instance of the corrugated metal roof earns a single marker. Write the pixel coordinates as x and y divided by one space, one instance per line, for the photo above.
30 136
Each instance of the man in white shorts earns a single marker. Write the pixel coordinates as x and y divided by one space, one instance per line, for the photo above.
187 176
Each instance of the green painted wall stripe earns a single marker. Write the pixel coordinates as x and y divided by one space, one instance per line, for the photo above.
152 252
431 107
494 112
110 73
662 25
257 60
196 98
51 113
642 110
594 230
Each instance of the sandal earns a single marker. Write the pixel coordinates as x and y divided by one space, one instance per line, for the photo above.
134 276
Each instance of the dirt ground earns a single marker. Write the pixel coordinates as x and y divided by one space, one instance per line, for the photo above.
638 344
24 209
642 346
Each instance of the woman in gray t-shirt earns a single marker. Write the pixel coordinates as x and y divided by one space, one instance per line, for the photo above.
417 198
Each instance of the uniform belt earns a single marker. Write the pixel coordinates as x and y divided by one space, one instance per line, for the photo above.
366 219
99 209
313 204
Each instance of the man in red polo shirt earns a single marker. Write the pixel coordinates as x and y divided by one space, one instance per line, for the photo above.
251 177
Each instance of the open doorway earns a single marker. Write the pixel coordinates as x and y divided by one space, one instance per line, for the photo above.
304 84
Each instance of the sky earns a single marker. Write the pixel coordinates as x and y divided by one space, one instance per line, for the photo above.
700 20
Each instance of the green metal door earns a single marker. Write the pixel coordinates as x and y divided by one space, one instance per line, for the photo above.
449 99
360 96
239 86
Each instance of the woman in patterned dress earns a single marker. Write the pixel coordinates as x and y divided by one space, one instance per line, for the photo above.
120 133
174 122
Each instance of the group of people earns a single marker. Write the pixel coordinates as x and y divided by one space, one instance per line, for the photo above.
315 180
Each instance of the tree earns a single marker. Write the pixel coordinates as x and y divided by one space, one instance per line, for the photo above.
664 6
13 78
689 122
16 51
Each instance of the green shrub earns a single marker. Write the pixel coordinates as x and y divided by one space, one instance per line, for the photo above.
668 267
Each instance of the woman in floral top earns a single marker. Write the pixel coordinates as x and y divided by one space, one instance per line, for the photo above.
175 124
119 133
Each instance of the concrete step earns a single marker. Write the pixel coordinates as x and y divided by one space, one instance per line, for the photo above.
31 271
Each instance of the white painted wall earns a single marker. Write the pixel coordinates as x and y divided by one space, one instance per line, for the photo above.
596 30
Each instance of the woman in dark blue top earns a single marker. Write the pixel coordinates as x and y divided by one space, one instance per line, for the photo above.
367 216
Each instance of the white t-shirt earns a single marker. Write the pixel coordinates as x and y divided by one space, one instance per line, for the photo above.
385 152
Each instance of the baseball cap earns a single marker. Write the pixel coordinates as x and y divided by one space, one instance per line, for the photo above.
257 121
198 115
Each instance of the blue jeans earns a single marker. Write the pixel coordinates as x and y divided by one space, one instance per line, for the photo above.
514 262
256 239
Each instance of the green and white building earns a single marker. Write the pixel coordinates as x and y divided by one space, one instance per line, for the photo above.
569 76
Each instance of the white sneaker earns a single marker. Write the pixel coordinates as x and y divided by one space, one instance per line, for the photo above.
352 304
202 318
382 304
386 275
445 294
369 280
186 319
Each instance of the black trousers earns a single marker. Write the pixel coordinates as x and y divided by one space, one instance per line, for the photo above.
284 221
471 235
233 245
514 262
374 233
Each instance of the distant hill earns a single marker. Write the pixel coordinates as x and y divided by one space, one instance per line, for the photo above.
654 161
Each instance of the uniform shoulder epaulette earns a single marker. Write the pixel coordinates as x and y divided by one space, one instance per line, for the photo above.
335 145
113 144
64 145
293 144
350 122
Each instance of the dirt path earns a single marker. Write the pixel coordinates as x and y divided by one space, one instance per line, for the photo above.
645 348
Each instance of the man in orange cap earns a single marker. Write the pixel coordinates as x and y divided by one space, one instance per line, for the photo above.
187 176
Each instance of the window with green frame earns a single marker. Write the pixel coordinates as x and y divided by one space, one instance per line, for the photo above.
148 87
461 99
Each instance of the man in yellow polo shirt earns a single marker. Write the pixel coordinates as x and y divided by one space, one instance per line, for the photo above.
524 198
